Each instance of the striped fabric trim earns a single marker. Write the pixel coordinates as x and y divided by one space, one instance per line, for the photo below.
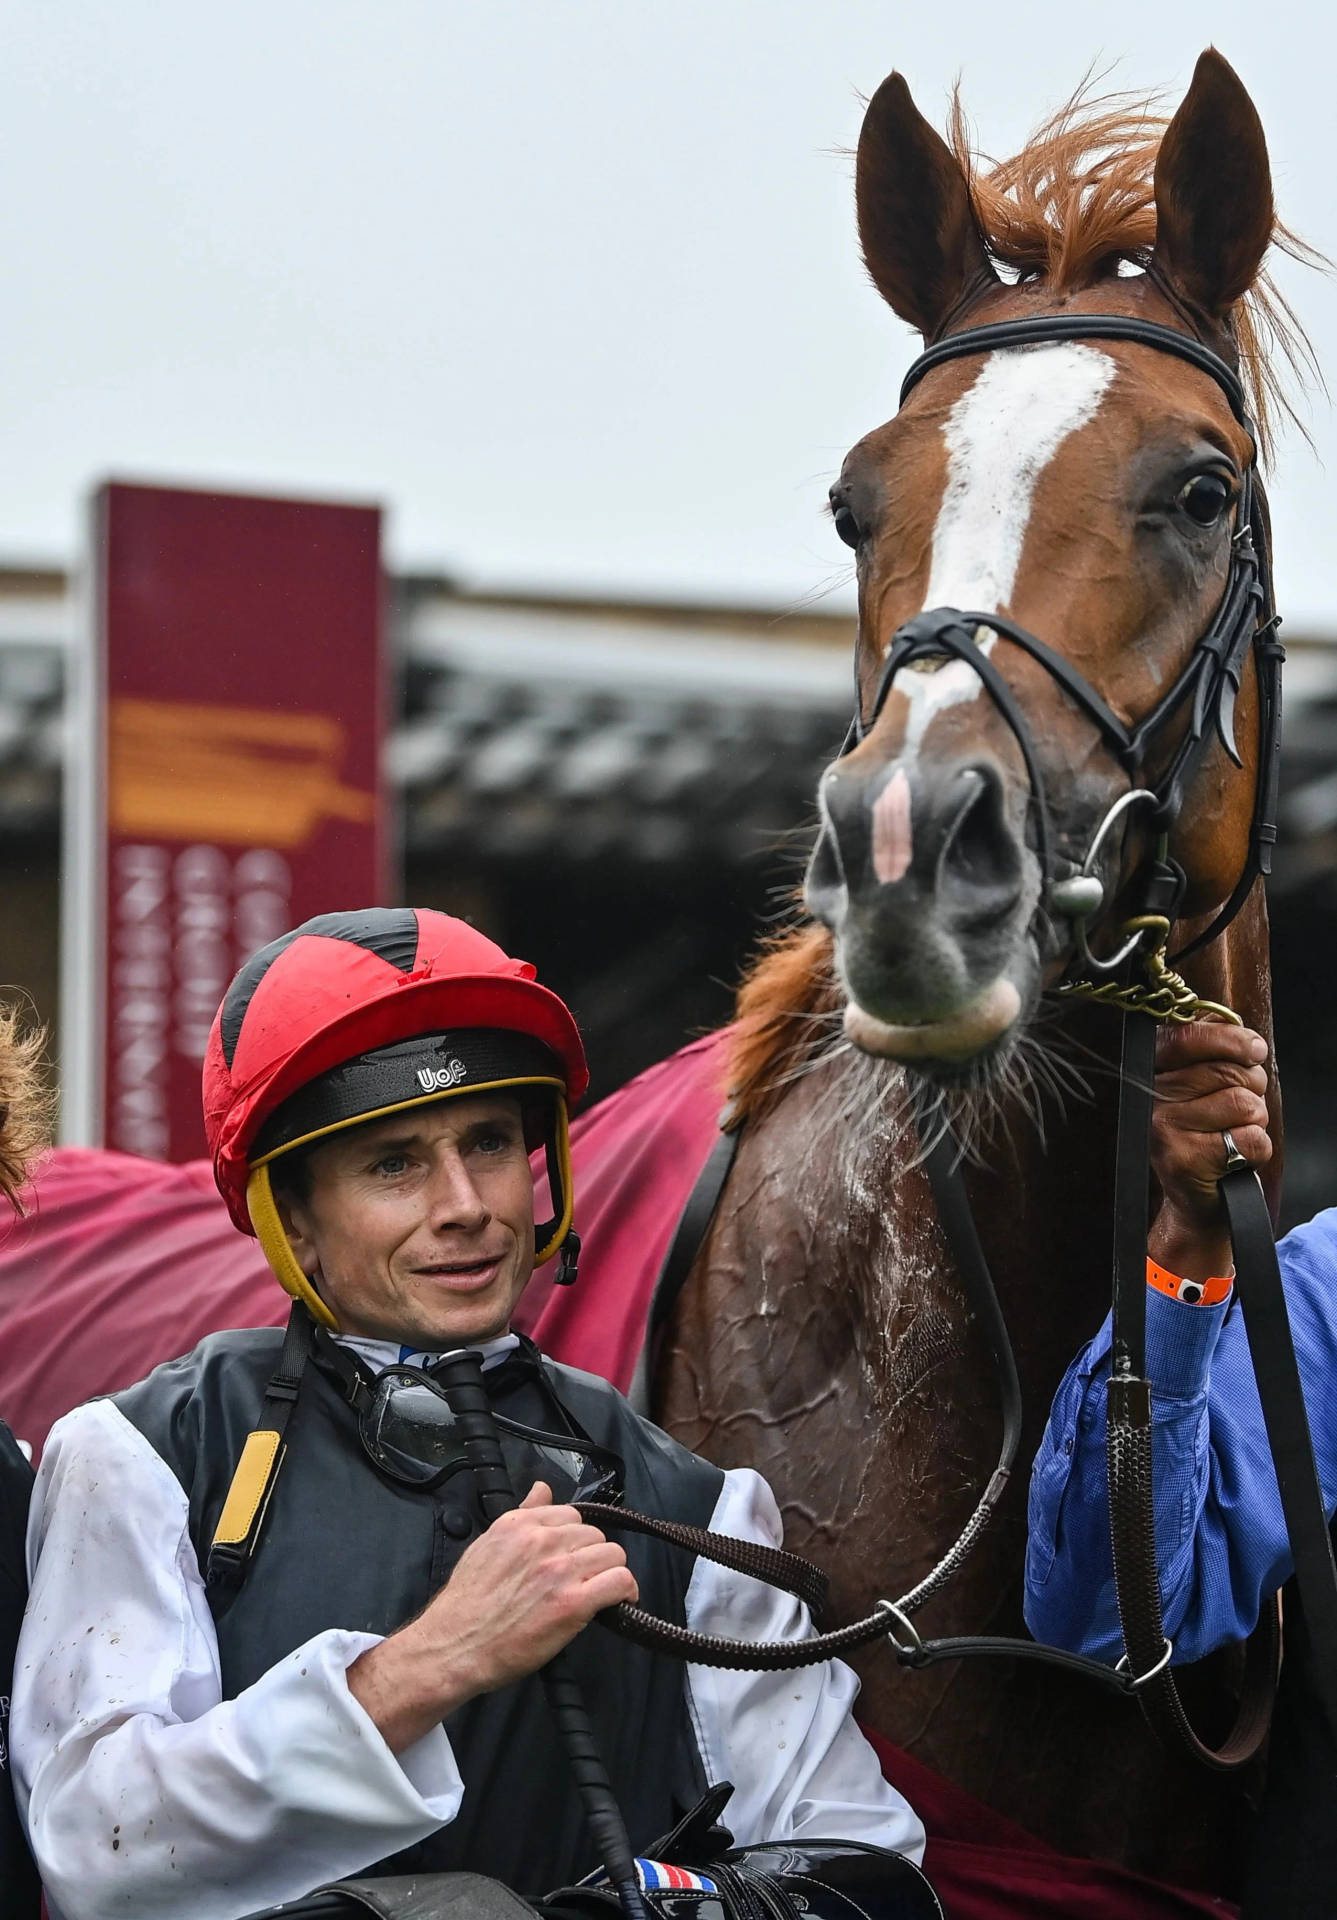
654 1874
657 1876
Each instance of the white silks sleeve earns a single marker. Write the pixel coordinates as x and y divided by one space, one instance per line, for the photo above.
788 1741
147 1795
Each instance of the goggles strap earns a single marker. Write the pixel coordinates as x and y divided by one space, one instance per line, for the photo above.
239 1523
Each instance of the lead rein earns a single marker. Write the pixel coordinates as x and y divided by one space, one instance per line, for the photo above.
460 1376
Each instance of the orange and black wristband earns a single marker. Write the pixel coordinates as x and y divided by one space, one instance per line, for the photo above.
1193 1293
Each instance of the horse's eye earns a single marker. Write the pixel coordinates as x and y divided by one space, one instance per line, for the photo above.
846 525
1205 498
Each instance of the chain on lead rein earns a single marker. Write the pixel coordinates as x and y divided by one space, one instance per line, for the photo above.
1164 994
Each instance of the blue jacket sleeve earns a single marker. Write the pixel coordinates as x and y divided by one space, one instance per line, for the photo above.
1220 1537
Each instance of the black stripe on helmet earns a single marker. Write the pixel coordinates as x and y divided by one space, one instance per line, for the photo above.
391 933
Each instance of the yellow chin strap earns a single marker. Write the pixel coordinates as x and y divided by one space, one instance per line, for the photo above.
277 1249
561 1225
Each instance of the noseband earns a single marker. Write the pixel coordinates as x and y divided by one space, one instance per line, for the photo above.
1210 679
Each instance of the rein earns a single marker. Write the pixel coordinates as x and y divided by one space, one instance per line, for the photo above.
1143 986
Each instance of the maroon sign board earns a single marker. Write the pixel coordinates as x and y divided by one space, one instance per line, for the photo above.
225 782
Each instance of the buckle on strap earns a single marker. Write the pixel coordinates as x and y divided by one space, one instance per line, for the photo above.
1133 1682
911 1652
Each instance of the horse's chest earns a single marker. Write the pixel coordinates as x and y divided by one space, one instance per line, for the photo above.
820 1342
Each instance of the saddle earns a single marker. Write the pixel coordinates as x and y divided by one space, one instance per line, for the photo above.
787 1880
696 1873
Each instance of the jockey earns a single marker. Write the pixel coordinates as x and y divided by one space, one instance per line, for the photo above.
271 1643
23 1114
1220 1534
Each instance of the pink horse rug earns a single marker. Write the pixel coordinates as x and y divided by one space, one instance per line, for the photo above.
122 1263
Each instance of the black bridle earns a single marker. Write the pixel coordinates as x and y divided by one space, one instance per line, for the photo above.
1245 619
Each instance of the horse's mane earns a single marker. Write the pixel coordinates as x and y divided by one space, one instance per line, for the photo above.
778 1020
1079 200
25 1102
1070 209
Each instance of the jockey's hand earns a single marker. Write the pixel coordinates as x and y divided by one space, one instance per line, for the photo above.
518 1594
1211 1078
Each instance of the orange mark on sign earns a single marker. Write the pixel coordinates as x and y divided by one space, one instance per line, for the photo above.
243 776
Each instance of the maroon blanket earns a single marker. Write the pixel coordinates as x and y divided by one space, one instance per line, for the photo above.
123 1263
636 1157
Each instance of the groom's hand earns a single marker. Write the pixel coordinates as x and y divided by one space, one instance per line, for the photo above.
1211 1079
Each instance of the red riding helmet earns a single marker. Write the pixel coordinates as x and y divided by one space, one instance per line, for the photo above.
355 1015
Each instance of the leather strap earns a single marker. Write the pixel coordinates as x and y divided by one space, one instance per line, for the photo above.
1129 1451
693 1224
1269 657
886 1623
1267 1324
944 630
238 1529
688 1237
922 636
774 1565
1049 327
418 1896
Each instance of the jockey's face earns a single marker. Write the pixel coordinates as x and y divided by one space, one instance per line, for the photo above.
419 1228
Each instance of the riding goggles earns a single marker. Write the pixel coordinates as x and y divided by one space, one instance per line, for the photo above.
409 1433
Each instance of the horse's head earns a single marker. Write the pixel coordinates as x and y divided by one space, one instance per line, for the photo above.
1087 490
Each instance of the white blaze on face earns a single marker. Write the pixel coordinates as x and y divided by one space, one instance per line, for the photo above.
892 843
1000 436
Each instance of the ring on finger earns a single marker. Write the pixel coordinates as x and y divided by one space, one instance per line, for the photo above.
1234 1158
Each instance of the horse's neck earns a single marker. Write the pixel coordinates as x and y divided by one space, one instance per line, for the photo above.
1042 1205
1235 969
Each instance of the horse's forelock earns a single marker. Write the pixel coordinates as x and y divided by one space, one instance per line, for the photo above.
1079 199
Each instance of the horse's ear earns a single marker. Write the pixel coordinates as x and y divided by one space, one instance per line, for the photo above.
916 223
1214 213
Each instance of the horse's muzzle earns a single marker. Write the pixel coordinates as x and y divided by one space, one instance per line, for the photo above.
924 879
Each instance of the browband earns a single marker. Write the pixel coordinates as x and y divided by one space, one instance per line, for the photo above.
1043 329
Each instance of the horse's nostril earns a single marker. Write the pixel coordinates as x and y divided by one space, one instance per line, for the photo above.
981 856
824 883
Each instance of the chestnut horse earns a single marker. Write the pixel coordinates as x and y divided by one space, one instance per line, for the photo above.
1087 490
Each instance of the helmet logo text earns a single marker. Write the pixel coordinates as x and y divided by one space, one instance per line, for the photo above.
441 1079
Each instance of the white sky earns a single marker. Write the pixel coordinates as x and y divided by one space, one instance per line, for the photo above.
570 285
